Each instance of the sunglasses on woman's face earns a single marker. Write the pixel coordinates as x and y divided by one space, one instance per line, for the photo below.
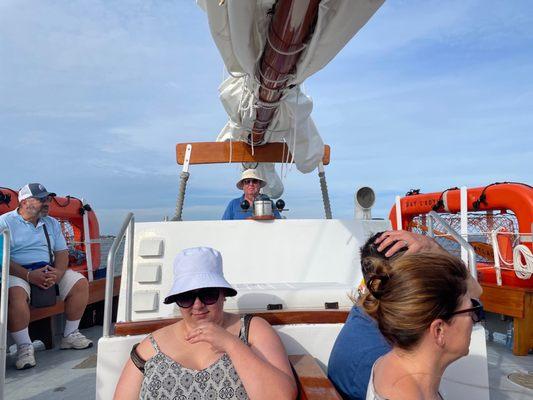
208 296
476 312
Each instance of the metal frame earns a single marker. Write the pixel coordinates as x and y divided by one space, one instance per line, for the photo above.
6 259
128 224
462 242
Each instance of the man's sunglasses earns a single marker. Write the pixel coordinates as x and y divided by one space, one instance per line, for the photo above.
43 199
250 181
208 296
476 312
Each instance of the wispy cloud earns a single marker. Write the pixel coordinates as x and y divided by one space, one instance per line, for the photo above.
94 95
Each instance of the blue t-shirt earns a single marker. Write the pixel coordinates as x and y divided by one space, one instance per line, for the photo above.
28 242
358 346
234 210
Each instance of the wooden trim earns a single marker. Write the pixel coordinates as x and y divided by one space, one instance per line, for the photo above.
273 317
220 152
313 384
515 302
503 300
96 294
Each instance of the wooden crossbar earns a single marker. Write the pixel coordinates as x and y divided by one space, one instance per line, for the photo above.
273 317
238 152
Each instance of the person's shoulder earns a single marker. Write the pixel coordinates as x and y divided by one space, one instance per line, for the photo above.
146 347
260 328
9 215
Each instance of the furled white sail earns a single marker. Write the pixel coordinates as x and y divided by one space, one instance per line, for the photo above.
239 29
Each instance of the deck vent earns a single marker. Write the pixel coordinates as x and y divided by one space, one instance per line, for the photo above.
145 300
151 247
274 306
332 305
148 273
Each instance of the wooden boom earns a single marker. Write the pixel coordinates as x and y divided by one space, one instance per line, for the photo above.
238 152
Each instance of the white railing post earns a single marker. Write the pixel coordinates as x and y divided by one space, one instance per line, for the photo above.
464 222
110 272
87 242
6 260
398 213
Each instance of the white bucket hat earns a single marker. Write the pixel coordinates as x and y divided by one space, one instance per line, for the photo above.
197 268
250 174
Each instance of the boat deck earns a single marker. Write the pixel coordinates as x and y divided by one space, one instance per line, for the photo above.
71 374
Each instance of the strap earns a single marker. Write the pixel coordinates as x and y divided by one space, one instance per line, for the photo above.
50 254
136 358
154 343
246 324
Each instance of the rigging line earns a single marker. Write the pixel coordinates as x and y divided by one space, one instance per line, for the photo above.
285 53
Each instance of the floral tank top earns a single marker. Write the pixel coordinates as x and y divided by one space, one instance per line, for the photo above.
164 378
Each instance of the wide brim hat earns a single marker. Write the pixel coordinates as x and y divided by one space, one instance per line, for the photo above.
198 268
250 174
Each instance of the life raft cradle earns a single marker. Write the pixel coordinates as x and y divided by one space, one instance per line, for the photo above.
516 197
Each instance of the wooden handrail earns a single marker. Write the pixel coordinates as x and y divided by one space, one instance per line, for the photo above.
313 384
273 317
238 152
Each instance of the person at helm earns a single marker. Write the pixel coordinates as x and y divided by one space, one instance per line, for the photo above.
250 183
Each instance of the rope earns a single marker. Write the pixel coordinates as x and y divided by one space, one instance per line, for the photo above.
523 270
325 195
184 177
285 53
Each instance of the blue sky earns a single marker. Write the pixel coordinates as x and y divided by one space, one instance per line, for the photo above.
94 95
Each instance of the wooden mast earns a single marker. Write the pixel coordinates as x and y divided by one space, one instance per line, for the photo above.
292 25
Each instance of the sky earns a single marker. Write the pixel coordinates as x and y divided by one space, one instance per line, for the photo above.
94 96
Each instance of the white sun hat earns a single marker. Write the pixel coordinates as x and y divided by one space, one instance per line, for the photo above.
197 268
250 174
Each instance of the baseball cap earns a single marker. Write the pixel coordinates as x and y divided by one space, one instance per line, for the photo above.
34 190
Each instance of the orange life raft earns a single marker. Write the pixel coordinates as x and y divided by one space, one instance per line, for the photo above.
515 197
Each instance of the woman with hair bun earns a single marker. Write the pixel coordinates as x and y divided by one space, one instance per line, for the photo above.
423 309
360 343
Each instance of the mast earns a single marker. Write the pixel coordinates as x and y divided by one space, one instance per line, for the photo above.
292 25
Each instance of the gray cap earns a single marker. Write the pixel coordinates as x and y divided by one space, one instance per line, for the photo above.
34 190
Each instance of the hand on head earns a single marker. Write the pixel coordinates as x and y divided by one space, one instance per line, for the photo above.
412 242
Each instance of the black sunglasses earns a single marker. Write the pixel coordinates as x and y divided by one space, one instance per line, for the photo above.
208 296
250 181
43 199
476 312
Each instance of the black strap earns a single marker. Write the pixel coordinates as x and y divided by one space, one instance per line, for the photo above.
50 254
247 319
136 358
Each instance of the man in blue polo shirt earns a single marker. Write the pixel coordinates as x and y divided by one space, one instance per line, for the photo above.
30 264
250 183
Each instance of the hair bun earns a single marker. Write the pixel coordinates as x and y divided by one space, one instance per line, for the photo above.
375 285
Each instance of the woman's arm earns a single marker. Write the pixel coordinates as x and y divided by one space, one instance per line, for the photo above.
263 367
130 381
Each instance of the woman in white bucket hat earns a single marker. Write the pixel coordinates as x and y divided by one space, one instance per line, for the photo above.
208 353
250 183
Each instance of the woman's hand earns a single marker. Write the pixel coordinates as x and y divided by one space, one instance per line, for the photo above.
220 339
414 242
